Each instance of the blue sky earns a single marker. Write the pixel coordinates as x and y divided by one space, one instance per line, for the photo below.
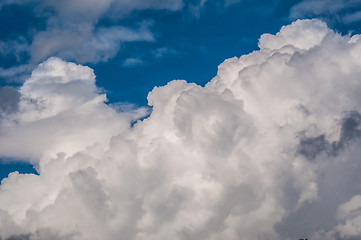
187 40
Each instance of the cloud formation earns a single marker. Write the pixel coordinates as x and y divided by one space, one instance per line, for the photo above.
71 28
9 99
268 149
61 100
345 11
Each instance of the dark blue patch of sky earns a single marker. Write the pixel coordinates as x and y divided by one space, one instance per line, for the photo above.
11 165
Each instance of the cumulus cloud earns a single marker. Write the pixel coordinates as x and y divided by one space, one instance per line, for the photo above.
268 149
64 95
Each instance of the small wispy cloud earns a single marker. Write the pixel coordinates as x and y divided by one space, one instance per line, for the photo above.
164 52
132 62
345 11
351 18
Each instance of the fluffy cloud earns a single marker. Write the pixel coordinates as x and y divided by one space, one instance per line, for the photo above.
59 100
268 149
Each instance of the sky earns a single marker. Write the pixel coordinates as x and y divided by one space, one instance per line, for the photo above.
180 119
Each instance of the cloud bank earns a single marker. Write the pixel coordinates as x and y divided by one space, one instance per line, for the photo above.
268 149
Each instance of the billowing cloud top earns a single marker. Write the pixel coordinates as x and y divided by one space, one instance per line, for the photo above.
269 149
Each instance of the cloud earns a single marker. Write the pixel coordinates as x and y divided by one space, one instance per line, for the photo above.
268 149
345 11
131 62
16 74
71 29
317 7
163 52
16 48
94 9
354 17
59 94
9 100
196 7
127 6
312 34
102 45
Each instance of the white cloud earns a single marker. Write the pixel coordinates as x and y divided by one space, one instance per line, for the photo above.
272 142
343 10
57 101
87 46
71 29
300 34
350 213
